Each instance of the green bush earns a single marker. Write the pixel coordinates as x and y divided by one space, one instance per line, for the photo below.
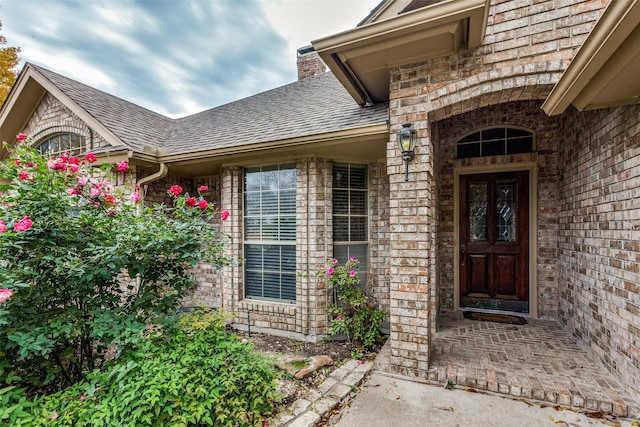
15 408
83 271
198 376
352 312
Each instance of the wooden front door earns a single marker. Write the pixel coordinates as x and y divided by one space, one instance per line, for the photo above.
494 241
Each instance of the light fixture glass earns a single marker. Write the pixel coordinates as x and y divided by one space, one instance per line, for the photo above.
407 138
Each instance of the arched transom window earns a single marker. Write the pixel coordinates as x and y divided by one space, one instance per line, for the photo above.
62 143
496 141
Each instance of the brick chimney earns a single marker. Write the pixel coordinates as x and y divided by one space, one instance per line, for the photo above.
309 63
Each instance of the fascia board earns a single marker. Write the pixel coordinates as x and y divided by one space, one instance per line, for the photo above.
75 108
439 13
618 21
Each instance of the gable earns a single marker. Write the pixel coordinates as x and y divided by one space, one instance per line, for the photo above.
401 34
21 109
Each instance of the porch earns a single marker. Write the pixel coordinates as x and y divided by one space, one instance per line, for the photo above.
538 361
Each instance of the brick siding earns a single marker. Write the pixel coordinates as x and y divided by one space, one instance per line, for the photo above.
51 117
599 236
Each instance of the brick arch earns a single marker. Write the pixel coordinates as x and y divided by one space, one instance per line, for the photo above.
461 97
47 131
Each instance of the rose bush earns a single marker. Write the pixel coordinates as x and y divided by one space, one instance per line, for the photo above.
353 313
83 269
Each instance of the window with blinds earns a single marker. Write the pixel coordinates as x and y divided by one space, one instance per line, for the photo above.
270 232
350 213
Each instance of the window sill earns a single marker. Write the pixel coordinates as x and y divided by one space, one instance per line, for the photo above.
270 307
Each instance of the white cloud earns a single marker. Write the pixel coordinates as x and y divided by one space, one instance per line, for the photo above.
175 57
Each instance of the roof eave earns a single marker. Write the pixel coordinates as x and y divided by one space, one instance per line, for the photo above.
243 149
444 28
611 50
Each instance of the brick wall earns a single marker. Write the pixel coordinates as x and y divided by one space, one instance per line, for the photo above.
599 249
528 45
51 117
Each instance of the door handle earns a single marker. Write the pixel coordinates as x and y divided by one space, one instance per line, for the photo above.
463 252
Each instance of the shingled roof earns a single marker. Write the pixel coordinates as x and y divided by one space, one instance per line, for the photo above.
311 106
134 125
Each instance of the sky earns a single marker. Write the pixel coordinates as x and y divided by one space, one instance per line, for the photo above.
175 57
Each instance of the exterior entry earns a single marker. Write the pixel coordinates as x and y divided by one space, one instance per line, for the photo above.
494 241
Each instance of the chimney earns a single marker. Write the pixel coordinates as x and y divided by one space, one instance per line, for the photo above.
309 63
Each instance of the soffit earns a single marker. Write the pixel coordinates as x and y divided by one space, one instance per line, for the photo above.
361 58
604 72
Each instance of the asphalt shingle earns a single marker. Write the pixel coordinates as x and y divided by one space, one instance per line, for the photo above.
308 107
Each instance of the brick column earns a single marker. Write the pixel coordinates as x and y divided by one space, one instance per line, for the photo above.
412 248
231 200
313 242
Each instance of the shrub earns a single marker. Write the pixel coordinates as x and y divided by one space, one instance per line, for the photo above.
352 312
15 408
83 270
199 376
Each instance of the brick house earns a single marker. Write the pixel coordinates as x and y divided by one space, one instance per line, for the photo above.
522 195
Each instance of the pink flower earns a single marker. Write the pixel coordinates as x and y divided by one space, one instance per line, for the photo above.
176 190
203 204
74 160
73 167
352 273
330 271
352 258
73 191
339 318
21 136
58 164
82 180
95 192
360 362
90 157
203 189
191 202
122 166
23 174
135 197
23 225
224 215
334 261
5 294
3 226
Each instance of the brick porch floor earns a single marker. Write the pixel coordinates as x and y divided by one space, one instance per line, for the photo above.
539 360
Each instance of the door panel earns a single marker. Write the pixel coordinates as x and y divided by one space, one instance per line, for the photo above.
494 241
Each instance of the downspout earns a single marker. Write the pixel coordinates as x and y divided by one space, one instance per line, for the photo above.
162 172
143 183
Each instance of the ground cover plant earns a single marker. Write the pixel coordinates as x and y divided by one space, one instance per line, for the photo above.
196 375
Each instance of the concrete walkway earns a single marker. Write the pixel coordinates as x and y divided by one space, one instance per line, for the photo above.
385 401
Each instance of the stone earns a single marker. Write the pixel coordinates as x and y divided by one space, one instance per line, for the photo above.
315 363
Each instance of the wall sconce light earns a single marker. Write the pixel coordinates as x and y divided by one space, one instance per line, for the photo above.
407 144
